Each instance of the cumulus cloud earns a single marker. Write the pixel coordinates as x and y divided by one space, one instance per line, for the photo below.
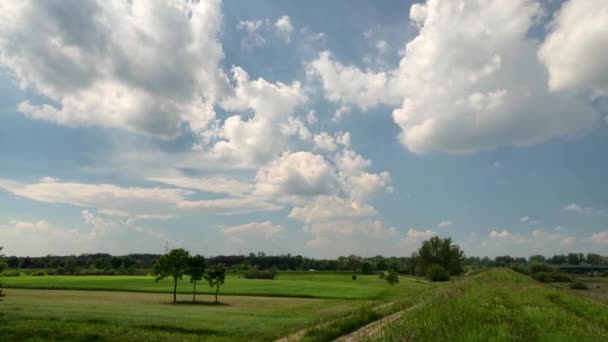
574 48
420 234
600 238
254 141
469 81
267 229
106 63
500 235
284 27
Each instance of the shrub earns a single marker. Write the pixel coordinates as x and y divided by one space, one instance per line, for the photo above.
561 277
381 275
519 268
11 273
438 273
38 273
354 277
543 277
392 278
257 274
537 267
578 286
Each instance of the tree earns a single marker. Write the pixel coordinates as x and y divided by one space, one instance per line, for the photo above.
173 264
537 258
366 268
12 262
594 259
196 271
438 273
392 278
441 252
573 258
216 276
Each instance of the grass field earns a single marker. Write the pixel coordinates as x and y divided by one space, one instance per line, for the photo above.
286 284
495 305
60 315
501 305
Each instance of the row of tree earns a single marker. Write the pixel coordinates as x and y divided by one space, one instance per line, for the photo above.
179 262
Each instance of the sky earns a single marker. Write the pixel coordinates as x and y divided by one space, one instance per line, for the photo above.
315 128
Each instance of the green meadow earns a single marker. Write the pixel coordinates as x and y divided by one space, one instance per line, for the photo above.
492 305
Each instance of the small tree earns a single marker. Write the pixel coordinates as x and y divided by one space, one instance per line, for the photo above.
392 278
438 273
196 271
366 268
173 264
216 277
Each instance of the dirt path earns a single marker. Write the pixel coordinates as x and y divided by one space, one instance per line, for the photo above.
374 328
298 335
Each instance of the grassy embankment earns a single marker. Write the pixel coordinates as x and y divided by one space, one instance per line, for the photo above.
501 305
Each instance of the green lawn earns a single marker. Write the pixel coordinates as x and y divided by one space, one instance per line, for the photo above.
286 284
501 305
70 315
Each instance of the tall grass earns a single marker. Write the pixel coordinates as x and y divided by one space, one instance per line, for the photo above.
501 305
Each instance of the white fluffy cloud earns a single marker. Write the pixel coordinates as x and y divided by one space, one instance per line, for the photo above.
575 49
297 174
252 30
214 184
469 81
284 27
600 238
420 234
257 140
444 224
500 235
106 63
268 230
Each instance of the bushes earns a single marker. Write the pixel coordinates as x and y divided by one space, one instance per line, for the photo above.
537 267
38 273
549 277
438 273
519 268
11 273
579 286
258 274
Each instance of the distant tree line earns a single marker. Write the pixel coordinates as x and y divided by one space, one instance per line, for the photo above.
433 251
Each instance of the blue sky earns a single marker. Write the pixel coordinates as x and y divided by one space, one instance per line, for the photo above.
311 128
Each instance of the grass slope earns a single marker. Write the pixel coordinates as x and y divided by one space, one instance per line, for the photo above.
501 305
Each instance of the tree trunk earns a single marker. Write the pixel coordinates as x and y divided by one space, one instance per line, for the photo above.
217 290
194 293
174 290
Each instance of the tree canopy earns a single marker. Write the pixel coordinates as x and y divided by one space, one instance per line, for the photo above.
173 264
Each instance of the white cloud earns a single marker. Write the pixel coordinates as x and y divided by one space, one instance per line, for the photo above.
382 46
297 174
444 224
252 28
524 219
496 93
230 206
600 238
575 208
324 141
215 184
574 50
311 117
251 142
500 235
422 234
99 196
267 229
107 63
328 208
284 27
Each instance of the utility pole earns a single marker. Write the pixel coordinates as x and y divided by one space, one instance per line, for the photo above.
167 246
